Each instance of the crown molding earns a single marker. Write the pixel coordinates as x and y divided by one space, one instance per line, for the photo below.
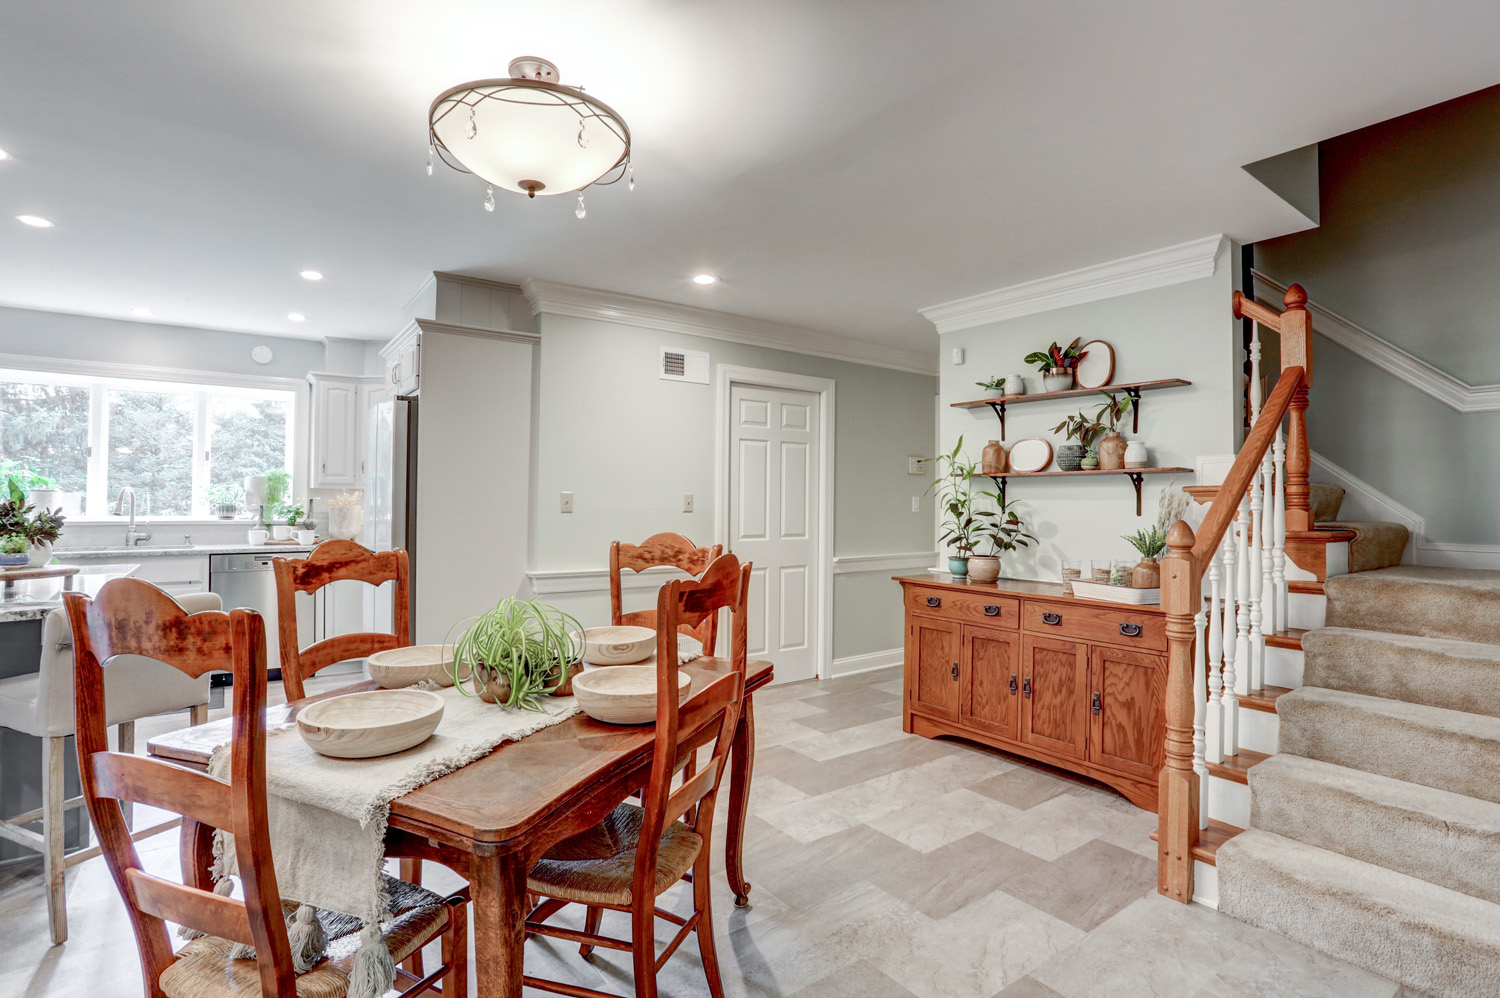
1155 269
1391 359
650 313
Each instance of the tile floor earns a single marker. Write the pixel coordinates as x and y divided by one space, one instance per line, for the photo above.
884 866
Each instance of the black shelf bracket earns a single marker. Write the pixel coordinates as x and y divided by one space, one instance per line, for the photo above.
999 481
1135 427
1136 478
999 408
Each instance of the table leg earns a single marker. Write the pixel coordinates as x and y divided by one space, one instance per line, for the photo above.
498 884
741 761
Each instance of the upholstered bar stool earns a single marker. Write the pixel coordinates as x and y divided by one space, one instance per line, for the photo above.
40 704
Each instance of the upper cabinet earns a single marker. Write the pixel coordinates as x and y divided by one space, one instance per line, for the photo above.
338 405
403 361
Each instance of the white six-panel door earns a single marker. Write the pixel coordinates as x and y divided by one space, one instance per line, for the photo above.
773 521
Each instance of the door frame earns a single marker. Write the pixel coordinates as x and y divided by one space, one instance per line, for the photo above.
726 376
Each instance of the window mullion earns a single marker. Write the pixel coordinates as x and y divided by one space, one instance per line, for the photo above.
201 470
98 463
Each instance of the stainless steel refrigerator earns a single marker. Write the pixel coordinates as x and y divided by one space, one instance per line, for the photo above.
390 514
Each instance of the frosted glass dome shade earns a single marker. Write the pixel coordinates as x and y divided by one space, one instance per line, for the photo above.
524 135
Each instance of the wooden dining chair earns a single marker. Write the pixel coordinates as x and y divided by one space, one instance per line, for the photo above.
661 551
337 561
638 852
132 617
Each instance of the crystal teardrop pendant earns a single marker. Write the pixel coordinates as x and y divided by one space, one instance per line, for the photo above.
629 177
431 152
489 198
473 125
583 139
580 211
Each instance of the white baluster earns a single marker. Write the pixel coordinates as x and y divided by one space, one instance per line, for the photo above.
1229 703
1200 711
1278 533
1254 373
1242 596
1256 667
1214 722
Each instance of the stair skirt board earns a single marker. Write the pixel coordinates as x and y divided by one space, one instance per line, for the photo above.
1397 926
1463 604
1438 672
1444 838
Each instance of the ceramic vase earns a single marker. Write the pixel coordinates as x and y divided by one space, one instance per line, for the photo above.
1090 462
39 553
995 393
992 461
1057 379
958 567
1146 575
1070 456
1135 454
1112 451
19 560
1015 384
984 569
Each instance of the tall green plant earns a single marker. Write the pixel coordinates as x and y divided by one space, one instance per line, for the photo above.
954 489
530 645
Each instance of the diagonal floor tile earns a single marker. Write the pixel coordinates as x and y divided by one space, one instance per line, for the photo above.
1088 885
942 820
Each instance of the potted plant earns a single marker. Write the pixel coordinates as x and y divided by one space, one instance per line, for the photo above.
955 493
40 530
13 551
224 499
516 653
1057 365
1086 431
1111 449
1002 530
994 386
1151 543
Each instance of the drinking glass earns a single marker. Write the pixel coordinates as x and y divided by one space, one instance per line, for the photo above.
1100 571
1072 568
1119 574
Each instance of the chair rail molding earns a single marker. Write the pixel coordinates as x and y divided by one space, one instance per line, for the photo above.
1157 268
551 582
1455 394
854 564
650 313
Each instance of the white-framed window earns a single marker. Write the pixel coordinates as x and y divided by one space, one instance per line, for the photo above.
168 440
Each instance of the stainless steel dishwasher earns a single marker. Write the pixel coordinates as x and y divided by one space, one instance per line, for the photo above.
249 581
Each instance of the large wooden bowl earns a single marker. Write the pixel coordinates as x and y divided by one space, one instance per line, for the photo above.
398 667
623 694
618 645
364 725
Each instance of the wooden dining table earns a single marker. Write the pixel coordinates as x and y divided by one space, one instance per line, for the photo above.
493 819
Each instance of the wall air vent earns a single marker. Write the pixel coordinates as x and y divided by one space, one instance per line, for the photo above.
684 365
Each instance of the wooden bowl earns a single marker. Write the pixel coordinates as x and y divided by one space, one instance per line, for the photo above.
363 725
619 645
398 667
624 694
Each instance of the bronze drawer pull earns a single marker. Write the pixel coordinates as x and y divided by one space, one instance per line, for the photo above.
1130 631
991 610
1012 684
1052 618
1096 702
1026 687
934 601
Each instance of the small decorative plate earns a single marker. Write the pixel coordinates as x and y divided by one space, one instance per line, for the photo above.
1097 368
1032 454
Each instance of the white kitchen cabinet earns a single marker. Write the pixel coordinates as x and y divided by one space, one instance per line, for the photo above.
403 361
176 573
337 434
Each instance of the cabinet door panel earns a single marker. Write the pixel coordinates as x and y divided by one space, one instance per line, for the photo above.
1055 714
932 651
1128 730
991 680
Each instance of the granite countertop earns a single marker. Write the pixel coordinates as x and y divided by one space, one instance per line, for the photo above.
66 555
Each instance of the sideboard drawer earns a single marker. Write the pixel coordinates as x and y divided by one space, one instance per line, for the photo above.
989 608
1091 623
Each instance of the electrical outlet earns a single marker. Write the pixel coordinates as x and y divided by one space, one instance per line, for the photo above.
687 502
567 502
916 504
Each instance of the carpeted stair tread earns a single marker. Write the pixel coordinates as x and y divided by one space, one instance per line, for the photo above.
1420 934
1459 603
1376 544
1447 749
1438 672
1441 837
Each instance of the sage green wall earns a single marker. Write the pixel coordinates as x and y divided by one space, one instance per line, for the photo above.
1409 248
1184 331
628 445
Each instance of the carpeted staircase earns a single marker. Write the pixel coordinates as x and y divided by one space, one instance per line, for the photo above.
1375 830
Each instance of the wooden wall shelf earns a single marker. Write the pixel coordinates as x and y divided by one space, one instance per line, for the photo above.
1136 476
1133 389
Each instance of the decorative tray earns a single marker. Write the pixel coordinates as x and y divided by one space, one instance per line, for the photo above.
1117 594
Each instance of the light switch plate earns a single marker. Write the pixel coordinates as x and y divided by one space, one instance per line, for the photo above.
687 502
916 504
567 502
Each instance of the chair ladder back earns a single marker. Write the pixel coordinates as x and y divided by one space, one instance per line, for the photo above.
337 561
657 551
132 617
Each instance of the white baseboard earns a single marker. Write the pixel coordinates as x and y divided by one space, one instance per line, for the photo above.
869 662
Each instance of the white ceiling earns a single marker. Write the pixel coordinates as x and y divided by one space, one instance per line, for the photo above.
839 164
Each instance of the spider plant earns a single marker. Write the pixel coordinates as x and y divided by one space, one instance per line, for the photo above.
523 644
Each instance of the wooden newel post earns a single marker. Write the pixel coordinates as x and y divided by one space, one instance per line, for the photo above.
1177 811
1296 351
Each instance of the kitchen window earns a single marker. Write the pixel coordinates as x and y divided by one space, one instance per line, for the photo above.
88 437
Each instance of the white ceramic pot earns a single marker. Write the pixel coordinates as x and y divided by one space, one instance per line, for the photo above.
346 522
1136 454
995 393
44 498
1057 382
40 552
1015 384
984 569
281 532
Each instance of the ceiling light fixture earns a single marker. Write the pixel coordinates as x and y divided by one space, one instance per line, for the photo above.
705 279
529 134
312 275
296 316
4 154
140 312
35 221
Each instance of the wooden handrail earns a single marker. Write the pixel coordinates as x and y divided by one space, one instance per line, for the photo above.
1246 466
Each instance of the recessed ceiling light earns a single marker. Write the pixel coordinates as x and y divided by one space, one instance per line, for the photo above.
312 275
4 154
705 279
296 316
141 312
35 221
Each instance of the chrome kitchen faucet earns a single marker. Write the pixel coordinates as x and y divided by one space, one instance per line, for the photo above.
133 537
